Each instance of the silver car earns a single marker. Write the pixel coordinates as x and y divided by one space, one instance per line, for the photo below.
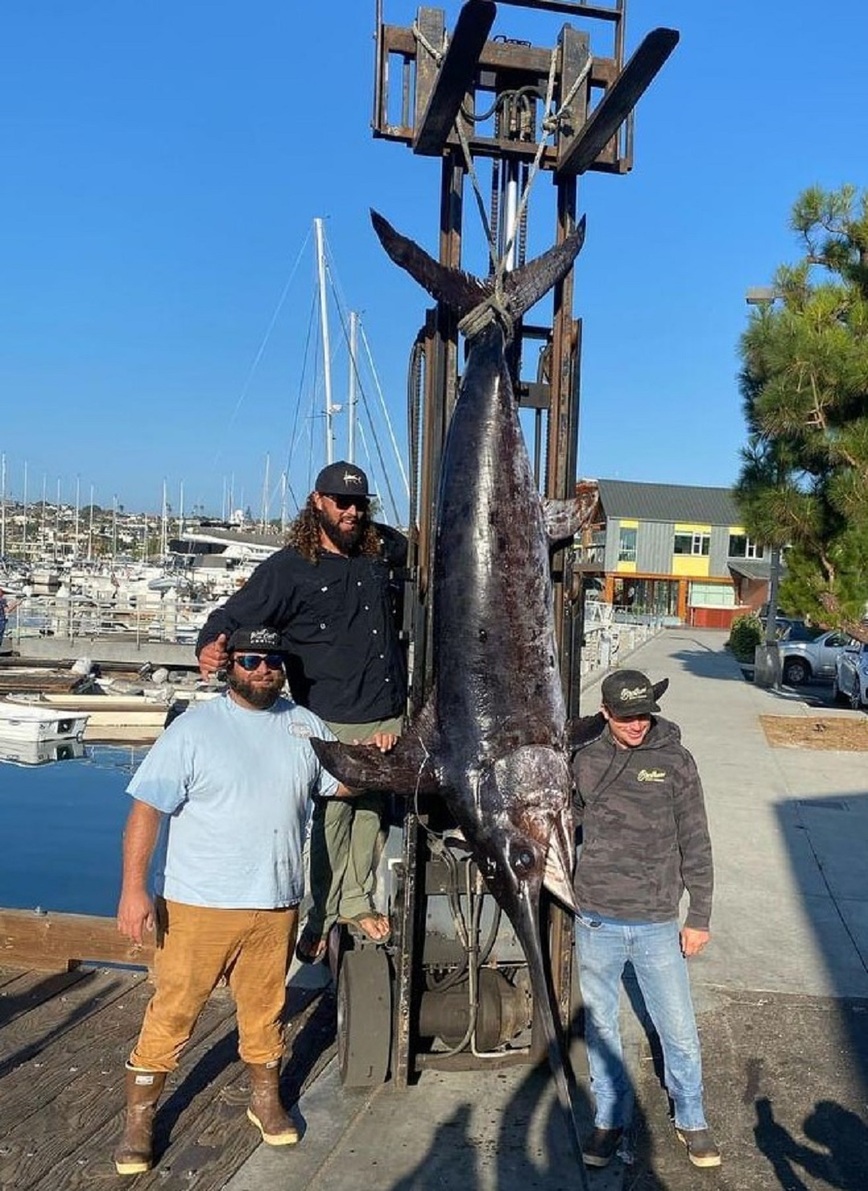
802 661
850 684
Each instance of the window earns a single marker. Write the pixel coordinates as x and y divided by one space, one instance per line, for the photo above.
711 595
740 546
627 545
692 543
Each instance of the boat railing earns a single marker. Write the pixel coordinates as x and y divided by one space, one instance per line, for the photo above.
608 640
79 617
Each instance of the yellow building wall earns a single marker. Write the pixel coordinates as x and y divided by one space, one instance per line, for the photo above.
694 565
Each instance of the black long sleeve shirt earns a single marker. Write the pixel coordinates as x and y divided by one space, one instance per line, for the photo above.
336 615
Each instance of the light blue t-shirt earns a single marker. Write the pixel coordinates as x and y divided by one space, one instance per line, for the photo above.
235 786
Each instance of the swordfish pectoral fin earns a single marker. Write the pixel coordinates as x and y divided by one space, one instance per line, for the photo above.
558 872
563 518
405 770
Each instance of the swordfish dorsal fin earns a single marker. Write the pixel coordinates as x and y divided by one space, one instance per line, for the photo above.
461 291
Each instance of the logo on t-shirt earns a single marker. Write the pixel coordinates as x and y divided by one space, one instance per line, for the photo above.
652 775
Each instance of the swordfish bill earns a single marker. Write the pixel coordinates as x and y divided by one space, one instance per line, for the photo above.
492 738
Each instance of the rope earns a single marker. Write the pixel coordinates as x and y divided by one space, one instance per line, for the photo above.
477 193
423 41
493 308
540 149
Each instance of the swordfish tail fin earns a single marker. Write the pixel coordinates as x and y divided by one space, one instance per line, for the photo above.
462 292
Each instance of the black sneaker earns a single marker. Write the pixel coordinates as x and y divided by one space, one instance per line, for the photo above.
701 1147
599 1149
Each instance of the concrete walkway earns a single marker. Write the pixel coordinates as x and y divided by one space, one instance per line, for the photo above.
785 1043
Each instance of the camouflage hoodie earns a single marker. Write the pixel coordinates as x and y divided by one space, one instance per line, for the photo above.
644 829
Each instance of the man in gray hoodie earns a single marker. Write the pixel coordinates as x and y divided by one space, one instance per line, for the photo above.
644 842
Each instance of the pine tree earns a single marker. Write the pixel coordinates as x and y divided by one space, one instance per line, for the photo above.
804 384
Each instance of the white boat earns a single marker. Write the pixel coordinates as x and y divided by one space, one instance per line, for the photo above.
101 710
138 718
39 752
19 721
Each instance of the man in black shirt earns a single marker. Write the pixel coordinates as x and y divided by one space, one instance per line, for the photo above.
328 592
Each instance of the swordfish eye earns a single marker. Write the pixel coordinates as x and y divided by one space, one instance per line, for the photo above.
522 859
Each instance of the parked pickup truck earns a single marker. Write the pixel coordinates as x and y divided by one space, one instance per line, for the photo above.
802 661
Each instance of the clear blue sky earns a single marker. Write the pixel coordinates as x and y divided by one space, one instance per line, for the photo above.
163 163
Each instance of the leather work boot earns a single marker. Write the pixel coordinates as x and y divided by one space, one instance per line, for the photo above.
265 1111
701 1147
600 1147
133 1154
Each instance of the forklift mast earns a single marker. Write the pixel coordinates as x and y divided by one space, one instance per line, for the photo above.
499 111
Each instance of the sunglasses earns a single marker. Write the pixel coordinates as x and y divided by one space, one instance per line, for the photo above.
252 661
347 502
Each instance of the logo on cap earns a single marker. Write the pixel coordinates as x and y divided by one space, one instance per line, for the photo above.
263 637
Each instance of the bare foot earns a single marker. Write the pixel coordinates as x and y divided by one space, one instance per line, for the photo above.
375 926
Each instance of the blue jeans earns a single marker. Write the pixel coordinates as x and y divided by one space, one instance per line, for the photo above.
654 950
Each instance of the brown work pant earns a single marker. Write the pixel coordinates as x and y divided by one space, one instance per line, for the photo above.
196 946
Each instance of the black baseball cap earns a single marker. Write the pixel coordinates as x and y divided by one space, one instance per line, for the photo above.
342 479
260 639
629 692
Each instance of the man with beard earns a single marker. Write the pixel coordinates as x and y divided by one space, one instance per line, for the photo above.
328 592
223 798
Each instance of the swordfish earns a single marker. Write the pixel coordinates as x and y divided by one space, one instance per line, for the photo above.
491 740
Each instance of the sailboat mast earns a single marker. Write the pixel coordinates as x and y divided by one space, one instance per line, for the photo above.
164 525
326 348
24 535
3 507
265 493
90 528
351 397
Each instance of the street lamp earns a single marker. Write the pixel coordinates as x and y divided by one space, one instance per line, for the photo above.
768 663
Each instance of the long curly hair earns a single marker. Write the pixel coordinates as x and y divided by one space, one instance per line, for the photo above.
303 535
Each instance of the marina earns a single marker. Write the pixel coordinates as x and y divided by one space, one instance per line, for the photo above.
793 1015
437 1039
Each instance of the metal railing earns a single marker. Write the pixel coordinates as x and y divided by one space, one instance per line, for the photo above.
86 618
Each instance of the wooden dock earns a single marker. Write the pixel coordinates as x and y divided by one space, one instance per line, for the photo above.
64 1038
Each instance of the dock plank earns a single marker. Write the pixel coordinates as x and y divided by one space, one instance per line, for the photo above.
61 1100
25 1034
33 1076
7 975
78 1097
30 989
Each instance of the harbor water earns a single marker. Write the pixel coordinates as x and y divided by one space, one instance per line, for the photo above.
61 822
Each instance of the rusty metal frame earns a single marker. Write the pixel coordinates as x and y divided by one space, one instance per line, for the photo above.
432 92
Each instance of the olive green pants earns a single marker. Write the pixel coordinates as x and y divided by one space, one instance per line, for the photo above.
346 839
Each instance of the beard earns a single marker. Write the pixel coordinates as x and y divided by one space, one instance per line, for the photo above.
346 540
256 694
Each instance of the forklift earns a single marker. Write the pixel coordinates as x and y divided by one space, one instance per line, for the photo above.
451 988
